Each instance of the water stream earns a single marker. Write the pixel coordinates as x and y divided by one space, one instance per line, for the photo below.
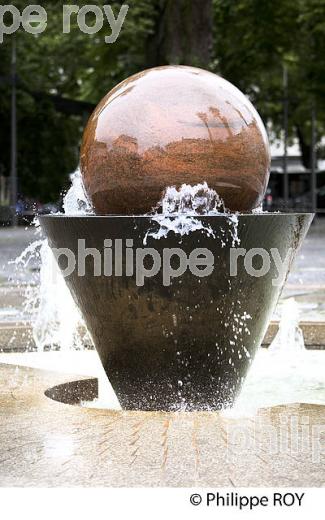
285 372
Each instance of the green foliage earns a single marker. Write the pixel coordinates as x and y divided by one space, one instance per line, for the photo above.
256 39
75 66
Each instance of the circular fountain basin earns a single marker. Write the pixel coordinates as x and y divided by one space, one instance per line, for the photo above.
179 335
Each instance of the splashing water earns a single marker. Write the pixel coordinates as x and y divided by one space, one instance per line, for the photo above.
197 200
258 210
281 373
76 201
179 208
56 320
289 335
286 372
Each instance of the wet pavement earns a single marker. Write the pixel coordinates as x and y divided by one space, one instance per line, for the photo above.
44 442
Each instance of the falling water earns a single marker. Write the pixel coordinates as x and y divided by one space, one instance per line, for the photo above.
286 372
56 320
179 209
76 202
289 335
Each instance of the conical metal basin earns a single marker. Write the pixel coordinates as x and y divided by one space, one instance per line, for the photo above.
182 335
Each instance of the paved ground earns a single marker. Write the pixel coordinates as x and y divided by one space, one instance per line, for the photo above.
47 443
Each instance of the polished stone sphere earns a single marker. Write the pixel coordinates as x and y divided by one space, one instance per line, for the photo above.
169 126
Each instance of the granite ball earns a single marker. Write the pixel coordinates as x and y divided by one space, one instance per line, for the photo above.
168 126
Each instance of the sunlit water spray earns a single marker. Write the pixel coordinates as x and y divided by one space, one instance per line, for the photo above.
286 372
179 209
76 202
56 320
289 334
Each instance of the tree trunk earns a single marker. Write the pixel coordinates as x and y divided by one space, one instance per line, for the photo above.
305 148
183 33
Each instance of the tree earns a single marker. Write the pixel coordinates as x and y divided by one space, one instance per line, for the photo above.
183 33
256 39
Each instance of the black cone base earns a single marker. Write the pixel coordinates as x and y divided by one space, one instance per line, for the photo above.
187 345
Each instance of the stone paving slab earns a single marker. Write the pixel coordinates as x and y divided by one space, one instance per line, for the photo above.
47 443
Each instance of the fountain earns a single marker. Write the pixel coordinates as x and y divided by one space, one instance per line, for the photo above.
176 272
